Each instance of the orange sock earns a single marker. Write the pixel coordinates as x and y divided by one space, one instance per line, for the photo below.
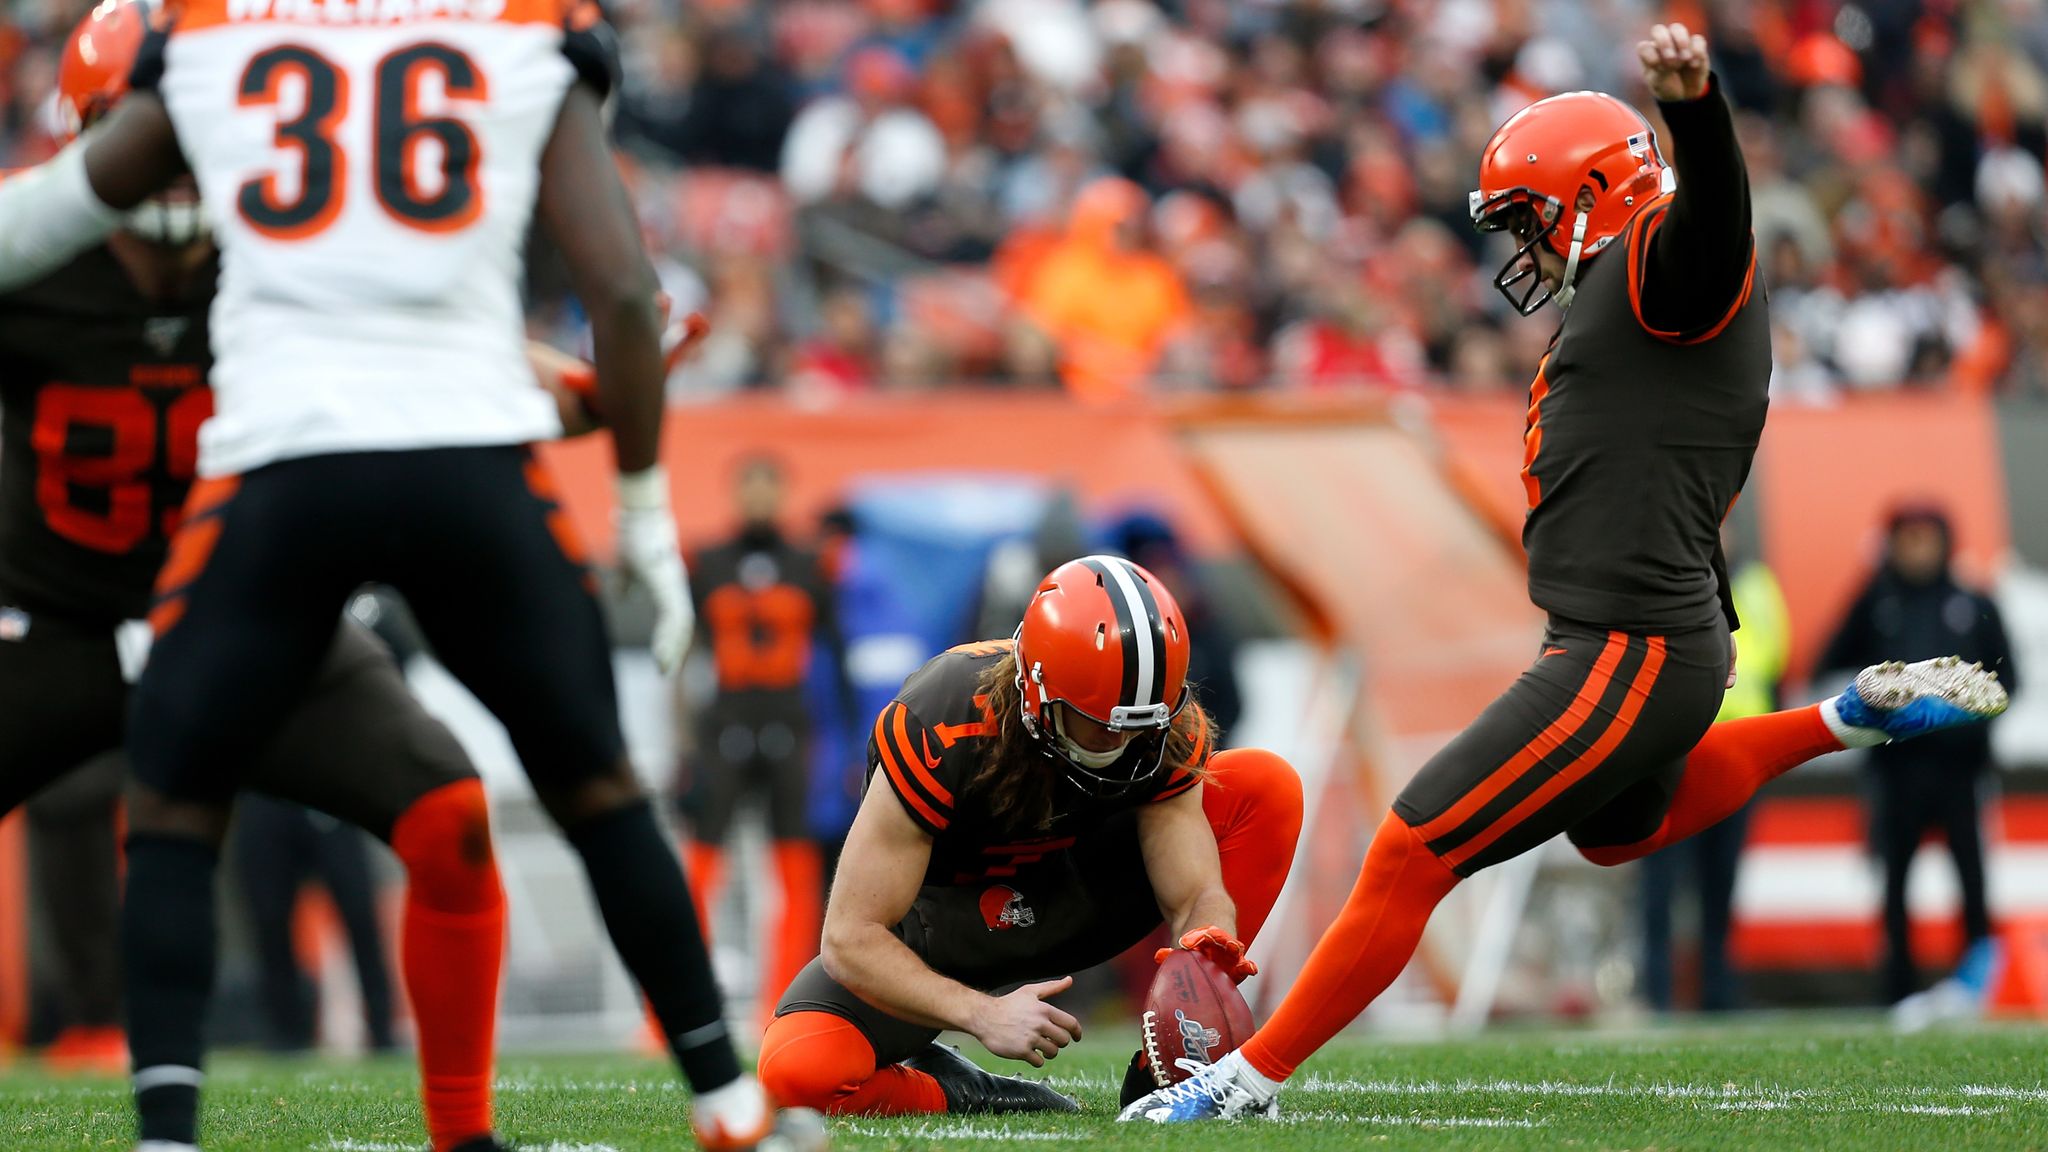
1733 760
1253 801
1360 955
801 869
817 1060
706 864
453 948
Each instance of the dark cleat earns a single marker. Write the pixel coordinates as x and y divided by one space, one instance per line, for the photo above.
970 1089
1139 1082
482 1144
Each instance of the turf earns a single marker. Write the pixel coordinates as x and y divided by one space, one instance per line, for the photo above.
1802 1086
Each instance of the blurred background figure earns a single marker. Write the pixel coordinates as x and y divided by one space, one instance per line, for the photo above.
1708 861
1913 608
1105 296
1015 566
276 847
763 608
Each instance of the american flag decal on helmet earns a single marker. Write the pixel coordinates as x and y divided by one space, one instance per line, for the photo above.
1639 144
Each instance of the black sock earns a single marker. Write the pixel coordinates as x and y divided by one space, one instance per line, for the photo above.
639 887
167 940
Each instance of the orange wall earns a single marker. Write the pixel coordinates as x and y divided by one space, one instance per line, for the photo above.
1824 478
1114 457
1827 476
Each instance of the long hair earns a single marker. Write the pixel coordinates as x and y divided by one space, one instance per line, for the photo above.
1019 778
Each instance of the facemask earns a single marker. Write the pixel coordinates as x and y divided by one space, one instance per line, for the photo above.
1094 761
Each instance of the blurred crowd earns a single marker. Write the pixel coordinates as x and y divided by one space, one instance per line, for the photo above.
1127 195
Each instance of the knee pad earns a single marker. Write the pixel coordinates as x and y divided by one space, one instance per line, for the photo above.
814 1060
444 840
1252 783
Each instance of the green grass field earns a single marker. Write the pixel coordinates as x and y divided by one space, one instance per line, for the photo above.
1824 1085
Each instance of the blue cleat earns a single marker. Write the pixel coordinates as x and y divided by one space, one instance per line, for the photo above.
1214 1092
1907 700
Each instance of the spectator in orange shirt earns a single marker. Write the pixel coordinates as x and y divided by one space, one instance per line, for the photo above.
1107 300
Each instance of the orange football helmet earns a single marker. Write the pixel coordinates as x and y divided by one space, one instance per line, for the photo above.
1537 165
1104 638
92 77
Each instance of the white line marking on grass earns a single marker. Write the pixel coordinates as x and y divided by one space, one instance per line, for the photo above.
1325 1117
1548 1088
996 1132
1994 1091
1941 1110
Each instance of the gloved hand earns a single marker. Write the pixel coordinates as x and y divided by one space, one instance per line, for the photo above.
680 340
649 555
1222 949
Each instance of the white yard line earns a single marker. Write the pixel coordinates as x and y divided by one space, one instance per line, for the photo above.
993 1132
1331 1117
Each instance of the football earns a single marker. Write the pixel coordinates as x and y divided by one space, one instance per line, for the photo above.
1194 1014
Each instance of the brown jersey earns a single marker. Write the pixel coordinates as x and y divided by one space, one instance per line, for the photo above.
929 745
1647 411
103 393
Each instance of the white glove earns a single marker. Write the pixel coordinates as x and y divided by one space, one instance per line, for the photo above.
650 555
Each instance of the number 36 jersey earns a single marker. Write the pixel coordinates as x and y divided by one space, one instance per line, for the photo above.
369 168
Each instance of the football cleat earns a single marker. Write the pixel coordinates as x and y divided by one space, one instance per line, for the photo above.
1213 1092
482 1144
1139 1082
971 1089
1908 700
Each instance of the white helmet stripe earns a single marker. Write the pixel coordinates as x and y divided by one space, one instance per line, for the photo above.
1144 622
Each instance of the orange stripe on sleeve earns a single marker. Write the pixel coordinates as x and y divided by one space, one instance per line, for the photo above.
1547 741
893 769
914 758
1578 769
1641 231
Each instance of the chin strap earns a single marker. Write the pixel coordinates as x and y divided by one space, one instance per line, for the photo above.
1563 295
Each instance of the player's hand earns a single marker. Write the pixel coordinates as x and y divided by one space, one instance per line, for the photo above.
1022 1026
649 555
1222 949
577 378
1731 661
1674 63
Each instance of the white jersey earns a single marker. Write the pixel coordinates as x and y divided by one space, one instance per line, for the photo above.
369 168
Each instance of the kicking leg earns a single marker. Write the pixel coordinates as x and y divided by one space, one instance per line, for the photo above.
1576 729
1737 757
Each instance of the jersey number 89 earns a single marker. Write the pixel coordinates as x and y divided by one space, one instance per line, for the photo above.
452 203
106 441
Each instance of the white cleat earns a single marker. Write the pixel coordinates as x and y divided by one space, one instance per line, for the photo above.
1214 1092
1907 700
